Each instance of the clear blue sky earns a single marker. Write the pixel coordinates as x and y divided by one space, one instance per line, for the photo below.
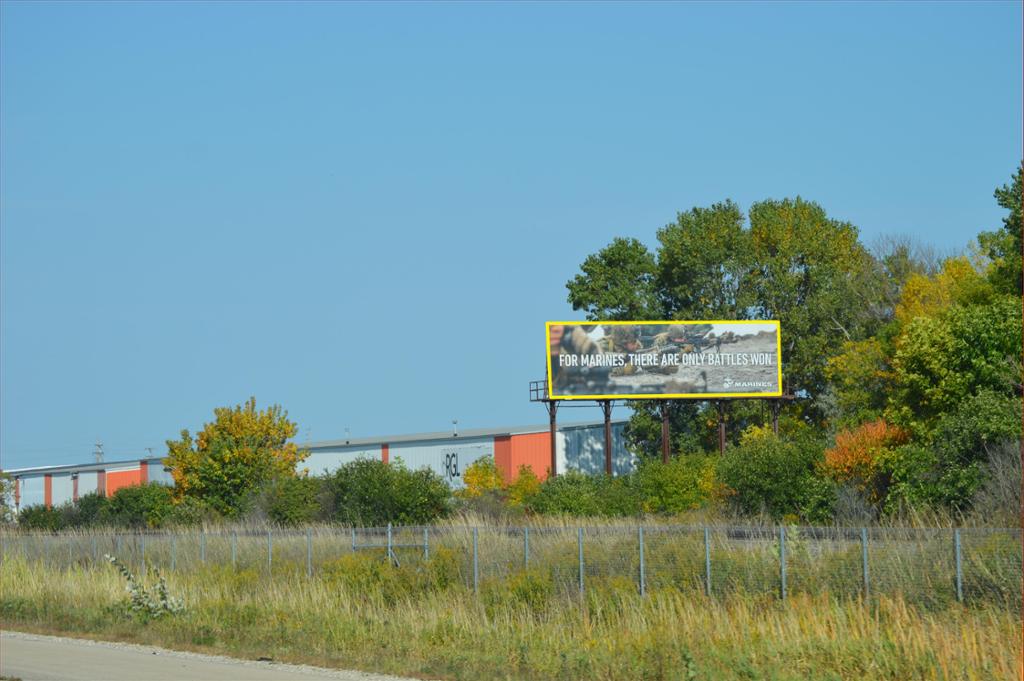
366 212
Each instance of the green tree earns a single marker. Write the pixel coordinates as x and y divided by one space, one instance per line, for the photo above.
792 263
240 451
805 269
616 283
702 263
940 361
859 378
1003 246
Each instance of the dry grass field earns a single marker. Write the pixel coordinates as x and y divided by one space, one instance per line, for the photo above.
422 617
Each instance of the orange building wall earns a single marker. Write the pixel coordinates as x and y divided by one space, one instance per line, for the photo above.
118 479
530 449
48 490
503 456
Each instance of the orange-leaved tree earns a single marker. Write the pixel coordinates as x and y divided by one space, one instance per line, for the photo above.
859 455
242 449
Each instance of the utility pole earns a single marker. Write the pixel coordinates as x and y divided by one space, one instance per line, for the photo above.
99 451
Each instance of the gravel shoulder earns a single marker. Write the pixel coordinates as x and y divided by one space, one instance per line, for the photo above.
32 657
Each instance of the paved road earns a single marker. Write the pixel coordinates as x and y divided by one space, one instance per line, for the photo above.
49 658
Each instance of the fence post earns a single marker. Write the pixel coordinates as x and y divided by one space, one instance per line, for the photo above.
959 566
782 563
174 551
270 553
864 558
353 540
202 546
579 542
117 545
476 561
426 543
142 549
234 549
95 552
391 555
526 548
643 575
707 562
309 551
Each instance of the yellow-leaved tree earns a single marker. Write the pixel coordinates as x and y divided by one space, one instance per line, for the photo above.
242 449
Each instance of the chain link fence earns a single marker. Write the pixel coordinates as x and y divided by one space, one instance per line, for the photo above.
929 567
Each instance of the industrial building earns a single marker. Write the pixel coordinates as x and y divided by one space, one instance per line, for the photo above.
55 485
580 447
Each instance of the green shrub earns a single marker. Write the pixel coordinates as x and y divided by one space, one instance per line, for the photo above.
525 486
90 510
768 474
192 511
367 492
572 493
41 517
139 506
292 500
683 484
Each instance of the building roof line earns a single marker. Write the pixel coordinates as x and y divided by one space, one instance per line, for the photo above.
468 434
83 467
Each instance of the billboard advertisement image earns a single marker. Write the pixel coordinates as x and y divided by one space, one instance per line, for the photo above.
665 359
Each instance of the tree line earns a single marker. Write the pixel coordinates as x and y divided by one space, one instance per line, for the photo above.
906 367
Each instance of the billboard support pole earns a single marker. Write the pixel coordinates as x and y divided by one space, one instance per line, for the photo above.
606 407
721 427
552 411
664 432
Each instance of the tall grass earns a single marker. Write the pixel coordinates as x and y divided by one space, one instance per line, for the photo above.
363 612
917 564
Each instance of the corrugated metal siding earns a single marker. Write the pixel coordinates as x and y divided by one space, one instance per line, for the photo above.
155 473
87 483
328 460
31 491
448 459
582 449
503 456
122 478
61 489
533 450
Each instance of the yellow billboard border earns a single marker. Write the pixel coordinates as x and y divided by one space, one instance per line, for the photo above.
663 396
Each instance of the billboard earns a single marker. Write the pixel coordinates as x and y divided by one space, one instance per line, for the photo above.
666 359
